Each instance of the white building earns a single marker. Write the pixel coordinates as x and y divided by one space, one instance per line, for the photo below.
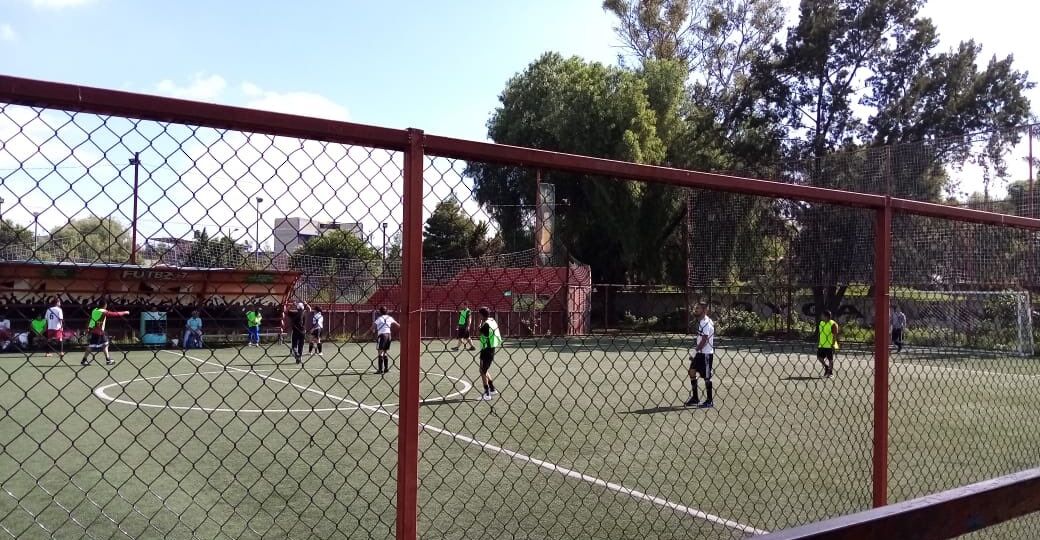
292 232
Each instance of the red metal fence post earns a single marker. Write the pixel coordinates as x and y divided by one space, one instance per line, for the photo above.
411 303
882 264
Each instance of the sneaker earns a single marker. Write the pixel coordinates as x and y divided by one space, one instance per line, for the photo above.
321 355
109 362
485 397
84 362
454 348
707 405
692 402
494 392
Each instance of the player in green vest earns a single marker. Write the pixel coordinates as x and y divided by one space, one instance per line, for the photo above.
463 331
38 326
828 343
490 341
98 339
253 320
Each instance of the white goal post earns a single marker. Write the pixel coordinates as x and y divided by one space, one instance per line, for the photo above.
985 320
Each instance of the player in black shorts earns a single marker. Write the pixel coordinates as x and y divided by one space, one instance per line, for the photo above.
701 358
490 341
383 326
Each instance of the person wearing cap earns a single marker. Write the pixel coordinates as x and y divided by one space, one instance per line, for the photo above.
490 341
295 315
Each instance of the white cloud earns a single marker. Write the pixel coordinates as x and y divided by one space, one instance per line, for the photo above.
7 33
303 103
59 4
201 88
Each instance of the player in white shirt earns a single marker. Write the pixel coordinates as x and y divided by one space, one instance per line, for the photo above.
701 357
55 328
317 326
383 325
5 331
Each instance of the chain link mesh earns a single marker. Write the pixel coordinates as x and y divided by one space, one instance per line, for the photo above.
579 424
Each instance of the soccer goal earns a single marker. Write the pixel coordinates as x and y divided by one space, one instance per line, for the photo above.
985 320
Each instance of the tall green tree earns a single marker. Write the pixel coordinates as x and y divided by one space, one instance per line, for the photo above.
337 267
91 239
223 252
451 234
13 234
569 105
725 122
337 244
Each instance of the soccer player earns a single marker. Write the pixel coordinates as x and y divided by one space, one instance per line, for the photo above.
383 326
296 323
253 320
5 331
829 331
317 325
193 331
490 341
55 328
463 331
37 330
96 327
898 325
702 358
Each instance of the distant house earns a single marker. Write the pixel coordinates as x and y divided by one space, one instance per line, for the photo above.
292 232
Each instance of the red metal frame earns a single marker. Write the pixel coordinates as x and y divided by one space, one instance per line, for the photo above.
882 265
416 145
941 515
408 412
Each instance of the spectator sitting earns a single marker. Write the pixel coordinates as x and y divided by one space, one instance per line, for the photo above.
193 332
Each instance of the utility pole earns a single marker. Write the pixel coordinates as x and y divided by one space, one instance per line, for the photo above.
136 162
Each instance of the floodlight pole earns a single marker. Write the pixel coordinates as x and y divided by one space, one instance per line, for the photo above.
384 244
258 201
136 162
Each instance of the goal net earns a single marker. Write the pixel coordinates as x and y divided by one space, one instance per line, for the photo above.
982 320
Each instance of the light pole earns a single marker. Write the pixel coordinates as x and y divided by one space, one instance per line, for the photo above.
136 162
258 201
384 243
36 232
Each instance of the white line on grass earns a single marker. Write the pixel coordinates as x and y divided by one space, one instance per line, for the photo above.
102 392
490 448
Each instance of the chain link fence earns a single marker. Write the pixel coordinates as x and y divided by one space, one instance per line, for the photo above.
221 323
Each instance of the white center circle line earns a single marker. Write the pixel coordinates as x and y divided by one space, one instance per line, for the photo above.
101 392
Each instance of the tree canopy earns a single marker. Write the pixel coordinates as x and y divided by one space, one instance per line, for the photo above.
450 233
90 239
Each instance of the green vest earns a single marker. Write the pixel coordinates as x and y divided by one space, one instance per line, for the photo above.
494 338
464 317
38 326
826 334
97 316
253 318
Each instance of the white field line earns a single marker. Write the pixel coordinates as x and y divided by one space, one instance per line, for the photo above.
490 448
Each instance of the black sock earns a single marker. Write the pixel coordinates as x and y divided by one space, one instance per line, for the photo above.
319 348
707 385
695 396
491 385
486 389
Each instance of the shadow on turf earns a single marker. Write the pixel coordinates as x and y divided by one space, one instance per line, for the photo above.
802 378
662 409
452 401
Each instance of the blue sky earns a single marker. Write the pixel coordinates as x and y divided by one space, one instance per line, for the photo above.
438 66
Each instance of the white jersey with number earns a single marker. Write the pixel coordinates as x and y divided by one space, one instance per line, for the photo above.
705 328
54 318
317 321
383 324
